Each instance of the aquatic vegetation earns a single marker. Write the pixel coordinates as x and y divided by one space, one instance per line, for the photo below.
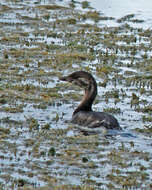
51 7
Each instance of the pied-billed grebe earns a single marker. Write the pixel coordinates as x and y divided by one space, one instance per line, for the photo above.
83 114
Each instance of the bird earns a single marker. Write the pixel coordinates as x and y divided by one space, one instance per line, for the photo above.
83 115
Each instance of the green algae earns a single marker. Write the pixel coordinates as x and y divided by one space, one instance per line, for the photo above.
51 7
85 4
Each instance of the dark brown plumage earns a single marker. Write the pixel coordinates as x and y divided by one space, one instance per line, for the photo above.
83 114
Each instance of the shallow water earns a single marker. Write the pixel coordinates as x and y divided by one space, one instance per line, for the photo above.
43 40
117 9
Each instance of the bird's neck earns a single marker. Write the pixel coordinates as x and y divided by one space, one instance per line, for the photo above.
88 98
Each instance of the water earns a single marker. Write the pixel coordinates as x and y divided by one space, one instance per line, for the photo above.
117 9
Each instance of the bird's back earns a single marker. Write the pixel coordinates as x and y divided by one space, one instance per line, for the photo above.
94 119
